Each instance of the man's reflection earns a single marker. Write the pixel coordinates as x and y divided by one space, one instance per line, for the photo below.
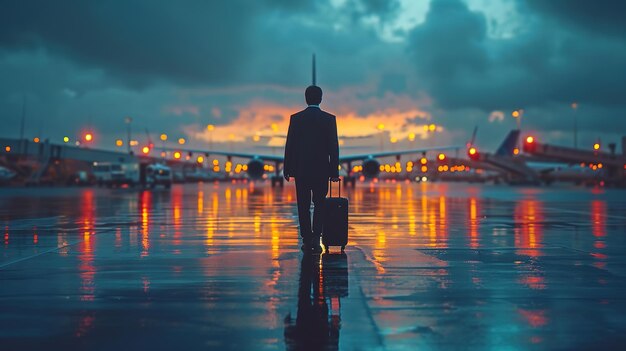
323 282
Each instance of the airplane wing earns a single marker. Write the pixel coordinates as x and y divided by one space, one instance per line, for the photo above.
275 158
358 157
347 158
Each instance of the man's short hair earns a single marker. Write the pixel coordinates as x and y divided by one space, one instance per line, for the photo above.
313 95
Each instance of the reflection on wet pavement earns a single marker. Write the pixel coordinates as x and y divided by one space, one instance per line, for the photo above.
204 266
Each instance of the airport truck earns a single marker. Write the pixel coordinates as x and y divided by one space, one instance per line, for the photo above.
156 174
116 174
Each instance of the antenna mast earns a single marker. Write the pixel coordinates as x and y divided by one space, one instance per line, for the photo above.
313 71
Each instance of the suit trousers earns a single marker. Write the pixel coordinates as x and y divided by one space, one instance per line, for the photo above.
305 189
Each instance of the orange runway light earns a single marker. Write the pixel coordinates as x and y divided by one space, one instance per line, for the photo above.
177 155
119 142
164 137
200 159
181 141
88 137
596 146
8 149
516 151
441 157
145 150
36 139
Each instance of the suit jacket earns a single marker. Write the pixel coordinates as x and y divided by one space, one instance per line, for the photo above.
312 147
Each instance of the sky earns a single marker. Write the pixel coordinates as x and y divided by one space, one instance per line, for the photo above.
242 66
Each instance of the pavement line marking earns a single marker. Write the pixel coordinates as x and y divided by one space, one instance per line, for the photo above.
4 265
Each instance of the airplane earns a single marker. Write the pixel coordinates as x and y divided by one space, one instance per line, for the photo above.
506 159
256 170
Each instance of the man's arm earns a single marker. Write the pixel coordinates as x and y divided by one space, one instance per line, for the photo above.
287 163
333 148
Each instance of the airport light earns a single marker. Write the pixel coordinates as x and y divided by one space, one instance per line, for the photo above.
411 136
66 139
530 140
163 137
119 143
8 149
145 150
473 153
36 139
256 138
596 146
516 151
134 143
210 127
177 155
181 141
423 160
380 127
200 159
441 157
88 137
432 128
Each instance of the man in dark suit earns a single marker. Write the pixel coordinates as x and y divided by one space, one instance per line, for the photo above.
312 157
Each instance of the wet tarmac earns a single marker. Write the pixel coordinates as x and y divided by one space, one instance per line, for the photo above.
206 266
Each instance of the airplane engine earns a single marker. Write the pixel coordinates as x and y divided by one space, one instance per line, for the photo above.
371 168
255 169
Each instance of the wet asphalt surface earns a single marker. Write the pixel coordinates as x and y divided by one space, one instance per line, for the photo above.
219 266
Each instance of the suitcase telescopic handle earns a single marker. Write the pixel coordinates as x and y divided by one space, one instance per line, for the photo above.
330 188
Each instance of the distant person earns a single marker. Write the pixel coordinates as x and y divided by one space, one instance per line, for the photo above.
312 158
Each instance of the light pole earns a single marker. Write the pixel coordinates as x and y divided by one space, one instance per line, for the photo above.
210 128
128 121
575 108
517 114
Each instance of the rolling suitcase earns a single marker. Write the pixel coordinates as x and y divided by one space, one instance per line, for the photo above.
335 231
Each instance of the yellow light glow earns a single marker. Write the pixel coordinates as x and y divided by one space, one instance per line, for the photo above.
36 139
7 148
256 138
200 159
145 150
88 137
182 141
163 137
393 140
530 140
381 126
119 142
177 155
432 128
596 146
424 169
210 127
66 139
515 114
423 160
411 136
516 151
472 151
441 157
216 162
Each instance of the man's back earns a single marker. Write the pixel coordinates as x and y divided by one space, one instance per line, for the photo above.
311 150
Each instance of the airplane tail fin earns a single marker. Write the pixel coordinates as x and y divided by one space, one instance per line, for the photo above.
509 143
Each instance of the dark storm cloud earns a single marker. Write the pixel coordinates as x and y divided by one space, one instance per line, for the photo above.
141 41
603 16
461 66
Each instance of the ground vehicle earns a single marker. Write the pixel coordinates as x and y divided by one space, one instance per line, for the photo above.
157 174
110 174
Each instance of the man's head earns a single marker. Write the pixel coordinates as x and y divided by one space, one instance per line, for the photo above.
313 95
